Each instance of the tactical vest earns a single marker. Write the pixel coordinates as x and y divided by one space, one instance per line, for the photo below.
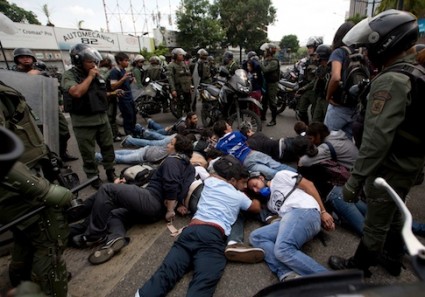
182 76
92 102
19 119
273 76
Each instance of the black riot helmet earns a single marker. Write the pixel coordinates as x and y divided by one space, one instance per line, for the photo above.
21 51
227 57
81 52
251 54
323 52
388 33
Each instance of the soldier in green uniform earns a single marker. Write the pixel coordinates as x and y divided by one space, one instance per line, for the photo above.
322 55
25 60
155 71
271 70
203 67
180 80
309 68
393 144
39 241
85 99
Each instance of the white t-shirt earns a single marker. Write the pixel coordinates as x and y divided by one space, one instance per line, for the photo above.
283 183
220 203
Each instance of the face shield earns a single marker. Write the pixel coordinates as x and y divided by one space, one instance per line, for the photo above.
91 54
361 35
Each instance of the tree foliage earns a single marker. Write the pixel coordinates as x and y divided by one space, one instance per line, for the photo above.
160 50
414 6
245 21
17 14
290 42
197 26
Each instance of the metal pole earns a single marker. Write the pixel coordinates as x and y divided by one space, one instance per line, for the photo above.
4 56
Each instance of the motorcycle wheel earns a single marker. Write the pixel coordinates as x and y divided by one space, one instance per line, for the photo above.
281 104
247 116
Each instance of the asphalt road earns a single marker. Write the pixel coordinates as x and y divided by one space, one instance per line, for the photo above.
150 243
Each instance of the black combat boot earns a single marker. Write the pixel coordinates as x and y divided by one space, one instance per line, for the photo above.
274 114
391 257
362 259
110 174
63 149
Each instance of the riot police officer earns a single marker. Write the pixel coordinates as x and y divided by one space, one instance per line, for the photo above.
271 70
308 73
180 80
393 144
26 62
322 55
39 241
85 99
154 71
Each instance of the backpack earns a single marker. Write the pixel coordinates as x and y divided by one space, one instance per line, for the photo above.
355 71
414 112
138 175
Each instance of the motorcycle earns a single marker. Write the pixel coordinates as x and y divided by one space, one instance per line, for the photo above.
153 97
233 107
287 95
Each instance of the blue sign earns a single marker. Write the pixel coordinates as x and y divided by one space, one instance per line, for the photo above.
421 23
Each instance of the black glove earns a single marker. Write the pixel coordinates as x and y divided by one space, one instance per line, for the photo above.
350 195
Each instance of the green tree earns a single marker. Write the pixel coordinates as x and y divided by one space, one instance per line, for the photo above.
414 6
197 26
160 50
290 42
245 21
17 14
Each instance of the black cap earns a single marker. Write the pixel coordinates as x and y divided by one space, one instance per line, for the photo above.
229 167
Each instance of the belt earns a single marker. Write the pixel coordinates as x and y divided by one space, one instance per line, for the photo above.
199 222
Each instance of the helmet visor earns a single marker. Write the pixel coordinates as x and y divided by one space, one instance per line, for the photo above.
361 35
91 54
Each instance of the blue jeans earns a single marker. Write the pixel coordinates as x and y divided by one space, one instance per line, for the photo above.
340 118
126 156
282 242
351 213
152 125
140 142
258 161
148 134
418 228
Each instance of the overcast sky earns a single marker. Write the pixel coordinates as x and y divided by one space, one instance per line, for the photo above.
302 18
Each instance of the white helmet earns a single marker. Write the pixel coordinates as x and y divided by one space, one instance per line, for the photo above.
139 58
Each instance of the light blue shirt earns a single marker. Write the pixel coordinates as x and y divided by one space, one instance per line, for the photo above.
220 203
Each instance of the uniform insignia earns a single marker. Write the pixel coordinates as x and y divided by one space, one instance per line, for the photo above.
378 101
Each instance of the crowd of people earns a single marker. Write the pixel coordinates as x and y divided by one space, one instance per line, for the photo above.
295 186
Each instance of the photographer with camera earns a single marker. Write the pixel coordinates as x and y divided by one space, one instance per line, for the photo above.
121 79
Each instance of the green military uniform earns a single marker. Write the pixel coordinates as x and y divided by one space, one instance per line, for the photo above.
139 76
392 150
271 71
308 96
321 105
39 241
204 70
112 103
154 72
90 124
180 80
232 67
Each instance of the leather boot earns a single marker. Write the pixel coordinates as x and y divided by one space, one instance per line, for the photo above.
362 259
110 174
274 114
391 257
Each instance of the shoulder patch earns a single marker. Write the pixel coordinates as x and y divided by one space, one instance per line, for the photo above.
378 101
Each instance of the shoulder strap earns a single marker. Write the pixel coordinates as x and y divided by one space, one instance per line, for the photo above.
332 149
298 177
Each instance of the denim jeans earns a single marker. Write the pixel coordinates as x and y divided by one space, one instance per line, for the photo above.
148 134
258 161
282 242
340 118
140 142
152 125
351 213
418 228
126 156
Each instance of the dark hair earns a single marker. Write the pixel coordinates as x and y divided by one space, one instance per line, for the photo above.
213 153
229 167
300 127
189 115
317 128
183 145
106 62
303 146
121 57
219 128
340 33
